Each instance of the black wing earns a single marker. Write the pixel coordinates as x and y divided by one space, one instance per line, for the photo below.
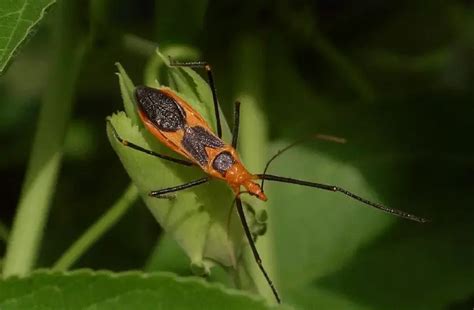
196 139
160 108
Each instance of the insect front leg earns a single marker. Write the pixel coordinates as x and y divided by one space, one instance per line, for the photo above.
146 151
256 256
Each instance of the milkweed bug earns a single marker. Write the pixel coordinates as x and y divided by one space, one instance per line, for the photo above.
180 127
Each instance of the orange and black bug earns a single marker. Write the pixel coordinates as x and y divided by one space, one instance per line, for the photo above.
176 124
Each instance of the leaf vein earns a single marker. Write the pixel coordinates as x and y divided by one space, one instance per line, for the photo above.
20 12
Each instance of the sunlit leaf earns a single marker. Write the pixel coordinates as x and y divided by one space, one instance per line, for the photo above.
17 22
86 289
318 231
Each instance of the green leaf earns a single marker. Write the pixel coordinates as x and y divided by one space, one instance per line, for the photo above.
17 22
3 232
247 76
157 61
318 231
167 256
85 289
192 86
127 89
196 218
416 266
311 297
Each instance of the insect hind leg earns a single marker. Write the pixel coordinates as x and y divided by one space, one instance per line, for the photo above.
212 85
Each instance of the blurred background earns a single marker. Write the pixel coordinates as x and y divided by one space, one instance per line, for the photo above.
395 78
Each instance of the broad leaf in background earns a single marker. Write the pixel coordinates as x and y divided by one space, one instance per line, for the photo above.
318 231
429 266
17 21
84 289
411 265
312 297
168 256
197 218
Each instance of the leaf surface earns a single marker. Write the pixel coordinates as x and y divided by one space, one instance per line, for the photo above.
18 19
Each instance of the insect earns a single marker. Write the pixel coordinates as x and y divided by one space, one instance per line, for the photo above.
177 125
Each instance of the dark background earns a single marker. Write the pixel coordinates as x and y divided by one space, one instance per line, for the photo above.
395 78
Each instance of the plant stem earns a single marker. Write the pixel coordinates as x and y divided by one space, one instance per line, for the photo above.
249 71
3 232
47 150
303 27
343 66
138 45
98 229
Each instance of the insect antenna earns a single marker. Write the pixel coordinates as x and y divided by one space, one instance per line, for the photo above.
322 137
333 188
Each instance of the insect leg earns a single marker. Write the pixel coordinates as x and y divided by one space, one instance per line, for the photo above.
235 128
210 77
149 152
161 192
260 229
333 188
248 234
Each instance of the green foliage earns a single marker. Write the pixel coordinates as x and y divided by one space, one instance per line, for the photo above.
311 220
18 20
3 232
85 289
115 213
394 79
46 154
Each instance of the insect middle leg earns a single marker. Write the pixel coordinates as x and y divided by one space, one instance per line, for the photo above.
210 77
146 151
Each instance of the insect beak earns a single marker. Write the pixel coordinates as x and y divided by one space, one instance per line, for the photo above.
255 190
262 196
